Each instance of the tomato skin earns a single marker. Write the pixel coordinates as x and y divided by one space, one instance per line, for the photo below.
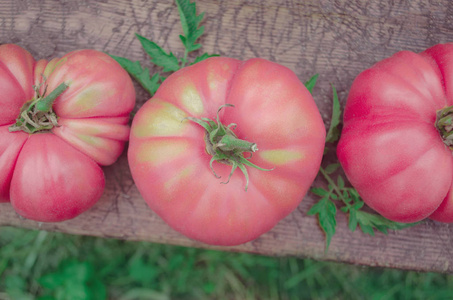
445 211
10 146
55 175
16 74
170 165
53 181
390 147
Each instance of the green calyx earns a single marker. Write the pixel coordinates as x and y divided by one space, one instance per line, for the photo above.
444 124
37 114
226 147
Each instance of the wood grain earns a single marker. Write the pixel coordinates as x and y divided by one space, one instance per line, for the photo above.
337 39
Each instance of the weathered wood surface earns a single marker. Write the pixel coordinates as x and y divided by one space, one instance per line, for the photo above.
336 39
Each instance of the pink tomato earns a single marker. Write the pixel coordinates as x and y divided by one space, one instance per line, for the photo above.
396 142
178 149
50 160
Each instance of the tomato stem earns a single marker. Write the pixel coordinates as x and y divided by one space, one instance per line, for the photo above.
37 114
232 143
334 186
444 124
225 147
45 104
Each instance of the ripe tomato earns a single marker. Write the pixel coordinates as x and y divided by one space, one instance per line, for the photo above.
50 167
395 145
170 151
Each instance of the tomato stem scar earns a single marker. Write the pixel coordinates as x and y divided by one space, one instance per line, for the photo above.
225 147
37 114
444 124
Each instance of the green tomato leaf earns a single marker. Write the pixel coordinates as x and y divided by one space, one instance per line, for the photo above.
320 192
369 221
150 84
357 202
366 229
158 55
340 182
382 229
344 209
346 195
358 205
326 211
352 224
203 57
332 168
190 24
310 84
333 134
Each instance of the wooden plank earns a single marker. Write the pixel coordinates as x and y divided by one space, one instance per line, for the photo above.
337 39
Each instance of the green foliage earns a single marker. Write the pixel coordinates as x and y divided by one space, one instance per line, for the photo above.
159 57
73 280
190 24
203 57
333 134
162 59
142 75
350 203
310 84
326 211
368 222
337 193
43 265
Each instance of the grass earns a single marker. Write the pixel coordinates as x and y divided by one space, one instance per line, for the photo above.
46 265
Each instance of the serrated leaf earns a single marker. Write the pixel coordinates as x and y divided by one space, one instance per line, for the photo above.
158 55
190 23
344 209
340 182
354 195
366 229
352 224
150 84
358 204
310 84
188 45
368 220
332 168
326 211
354 192
346 195
346 199
333 134
320 192
203 57
382 229
154 83
316 208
